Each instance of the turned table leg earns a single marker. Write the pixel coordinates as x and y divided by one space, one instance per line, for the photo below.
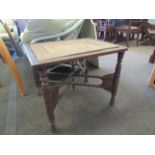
116 78
51 96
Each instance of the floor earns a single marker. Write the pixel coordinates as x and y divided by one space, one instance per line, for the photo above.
87 110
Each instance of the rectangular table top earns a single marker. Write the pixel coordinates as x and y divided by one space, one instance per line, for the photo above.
54 52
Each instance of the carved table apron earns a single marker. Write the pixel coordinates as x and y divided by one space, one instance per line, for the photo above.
51 89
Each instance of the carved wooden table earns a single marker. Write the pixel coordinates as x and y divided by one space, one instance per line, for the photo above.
43 55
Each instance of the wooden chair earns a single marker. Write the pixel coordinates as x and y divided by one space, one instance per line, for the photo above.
149 30
105 31
99 28
128 30
12 66
7 29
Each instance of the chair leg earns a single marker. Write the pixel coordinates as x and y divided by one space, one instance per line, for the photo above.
137 39
116 37
12 66
132 36
105 35
127 39
98 35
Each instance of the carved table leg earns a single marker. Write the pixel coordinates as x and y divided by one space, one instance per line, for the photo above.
116 77
51 96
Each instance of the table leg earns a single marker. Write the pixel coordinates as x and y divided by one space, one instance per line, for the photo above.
86 70
36 79
116 78
51 97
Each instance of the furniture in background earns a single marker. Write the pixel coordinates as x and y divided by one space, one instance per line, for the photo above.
128 29
38 30
152 57
151 82
66 51
21 24
142 23
139 23
12 66
100 28
88 30
9 34
105 29
149 30
109 32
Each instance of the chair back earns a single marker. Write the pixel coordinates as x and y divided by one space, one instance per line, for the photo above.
135 23
71 31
